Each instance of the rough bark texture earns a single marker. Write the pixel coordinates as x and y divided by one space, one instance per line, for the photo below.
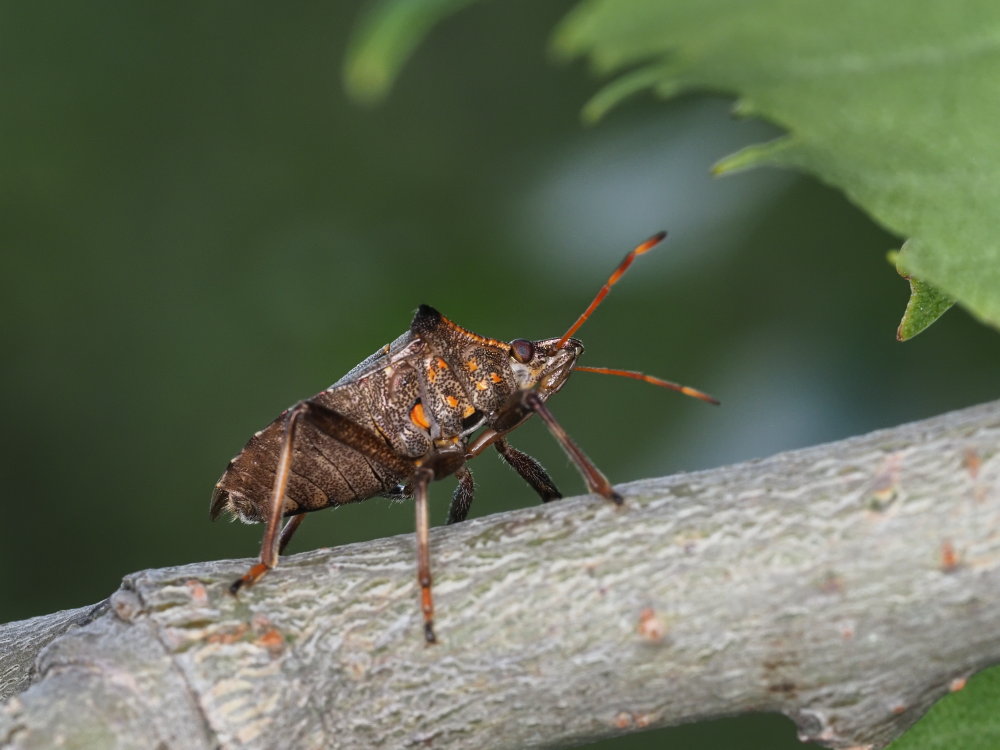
845 585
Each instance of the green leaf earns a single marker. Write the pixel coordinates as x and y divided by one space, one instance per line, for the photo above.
896 104
968 719
926 304
386 36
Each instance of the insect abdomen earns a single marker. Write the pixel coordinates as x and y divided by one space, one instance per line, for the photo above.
337 474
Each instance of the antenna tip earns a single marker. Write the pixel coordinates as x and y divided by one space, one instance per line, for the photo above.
652 242
687 391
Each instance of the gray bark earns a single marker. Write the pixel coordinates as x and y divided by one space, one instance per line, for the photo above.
847 585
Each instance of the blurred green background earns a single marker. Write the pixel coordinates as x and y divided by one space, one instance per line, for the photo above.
200 229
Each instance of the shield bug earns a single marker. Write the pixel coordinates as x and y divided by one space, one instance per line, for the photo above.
416 410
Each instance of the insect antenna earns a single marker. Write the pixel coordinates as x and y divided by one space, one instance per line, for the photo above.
649 244
686 390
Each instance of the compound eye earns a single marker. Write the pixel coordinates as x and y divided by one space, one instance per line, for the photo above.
522 350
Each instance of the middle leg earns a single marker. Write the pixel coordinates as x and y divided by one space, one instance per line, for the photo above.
461 501
530 470
289 531
421 479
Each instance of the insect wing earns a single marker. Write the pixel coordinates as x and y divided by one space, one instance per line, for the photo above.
404 347
325 470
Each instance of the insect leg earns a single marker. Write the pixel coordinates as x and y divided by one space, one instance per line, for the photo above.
336 426
421 479
286 533
530 470
269 545
461 501
596 481
481 443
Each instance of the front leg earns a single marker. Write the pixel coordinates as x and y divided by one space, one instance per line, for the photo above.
530 470
596 481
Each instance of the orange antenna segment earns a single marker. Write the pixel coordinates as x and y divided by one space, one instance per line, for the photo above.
649 244
687 391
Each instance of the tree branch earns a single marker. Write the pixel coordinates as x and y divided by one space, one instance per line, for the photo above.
846 585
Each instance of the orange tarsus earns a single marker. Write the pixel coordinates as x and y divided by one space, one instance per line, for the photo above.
686 390
249 578
646 246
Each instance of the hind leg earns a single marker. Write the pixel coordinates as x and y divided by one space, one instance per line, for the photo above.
335 426
269 545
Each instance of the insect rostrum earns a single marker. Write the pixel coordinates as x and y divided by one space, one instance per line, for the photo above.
416 410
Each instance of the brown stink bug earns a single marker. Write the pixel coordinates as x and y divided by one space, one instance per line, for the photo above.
405 416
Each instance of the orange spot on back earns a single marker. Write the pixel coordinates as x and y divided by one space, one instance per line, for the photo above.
468 411
431 374
482 385
472 365
452 401
441 364
418 417
495 377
